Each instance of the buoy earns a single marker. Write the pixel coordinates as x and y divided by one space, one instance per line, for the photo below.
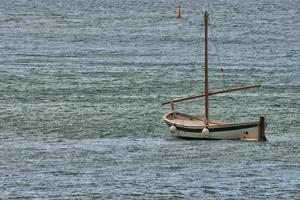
205 131
178 12
172 129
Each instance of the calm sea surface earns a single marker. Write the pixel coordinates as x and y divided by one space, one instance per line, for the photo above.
80 88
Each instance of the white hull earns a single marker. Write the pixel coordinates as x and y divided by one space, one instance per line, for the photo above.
191 127
220 135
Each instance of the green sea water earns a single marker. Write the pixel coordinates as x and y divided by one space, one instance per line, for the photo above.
80 88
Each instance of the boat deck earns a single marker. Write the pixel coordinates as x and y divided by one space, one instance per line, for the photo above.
183 119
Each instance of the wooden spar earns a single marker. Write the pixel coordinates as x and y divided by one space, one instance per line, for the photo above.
210 94
206 67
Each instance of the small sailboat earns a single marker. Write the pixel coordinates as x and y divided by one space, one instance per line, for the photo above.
202 127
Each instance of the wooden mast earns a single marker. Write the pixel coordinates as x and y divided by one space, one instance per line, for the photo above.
206 67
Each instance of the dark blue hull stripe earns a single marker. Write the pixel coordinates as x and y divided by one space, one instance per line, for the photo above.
217 129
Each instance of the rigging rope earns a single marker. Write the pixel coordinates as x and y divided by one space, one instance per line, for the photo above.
221 63
227 99
187 104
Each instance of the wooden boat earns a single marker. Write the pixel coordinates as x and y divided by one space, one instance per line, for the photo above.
193 127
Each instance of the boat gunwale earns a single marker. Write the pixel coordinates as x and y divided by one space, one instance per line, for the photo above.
211 127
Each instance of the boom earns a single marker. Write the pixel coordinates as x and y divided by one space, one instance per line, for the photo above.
210 94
